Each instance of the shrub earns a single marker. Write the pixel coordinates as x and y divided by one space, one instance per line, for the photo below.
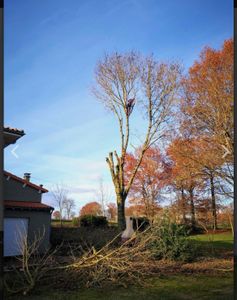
140 223
172 242
93 221
33 265
75 222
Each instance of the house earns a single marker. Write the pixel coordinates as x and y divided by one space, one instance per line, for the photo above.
24 214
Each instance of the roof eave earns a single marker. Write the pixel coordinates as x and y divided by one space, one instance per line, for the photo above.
30 184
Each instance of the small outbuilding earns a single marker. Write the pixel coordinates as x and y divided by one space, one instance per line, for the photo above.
24 214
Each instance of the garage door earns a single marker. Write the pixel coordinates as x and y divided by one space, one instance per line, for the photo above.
15 229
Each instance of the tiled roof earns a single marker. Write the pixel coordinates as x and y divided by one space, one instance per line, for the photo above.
26 205
14 130
34 186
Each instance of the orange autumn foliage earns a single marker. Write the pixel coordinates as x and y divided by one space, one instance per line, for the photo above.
208 96
112 210
152 176
92 208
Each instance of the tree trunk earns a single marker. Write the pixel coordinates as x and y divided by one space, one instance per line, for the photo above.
61 218
231 223
213 203
183 206
121 212
193 221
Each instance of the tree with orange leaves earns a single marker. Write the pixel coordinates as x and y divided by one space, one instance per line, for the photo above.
185 175
91 208
135 210
151 177
207 125
208 103
200 153
209 161
56 215
112 210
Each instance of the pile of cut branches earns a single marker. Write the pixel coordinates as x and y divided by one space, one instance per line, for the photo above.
127 263
121 264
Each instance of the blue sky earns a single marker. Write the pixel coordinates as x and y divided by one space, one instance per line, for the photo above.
50 55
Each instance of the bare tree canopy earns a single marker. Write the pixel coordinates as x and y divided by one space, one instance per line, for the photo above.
60 193
102 195
122 82
69 205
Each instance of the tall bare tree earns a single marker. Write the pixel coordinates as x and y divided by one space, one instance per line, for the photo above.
126 80
102 195
60 193
69 205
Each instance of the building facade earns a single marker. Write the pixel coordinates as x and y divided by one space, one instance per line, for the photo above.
24 214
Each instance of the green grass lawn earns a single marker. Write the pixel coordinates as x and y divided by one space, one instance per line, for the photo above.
173 287
226 237
219 241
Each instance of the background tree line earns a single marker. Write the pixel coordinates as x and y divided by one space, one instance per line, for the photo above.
183 158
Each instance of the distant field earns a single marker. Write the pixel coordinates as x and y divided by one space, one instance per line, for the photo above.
69 223
65 223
